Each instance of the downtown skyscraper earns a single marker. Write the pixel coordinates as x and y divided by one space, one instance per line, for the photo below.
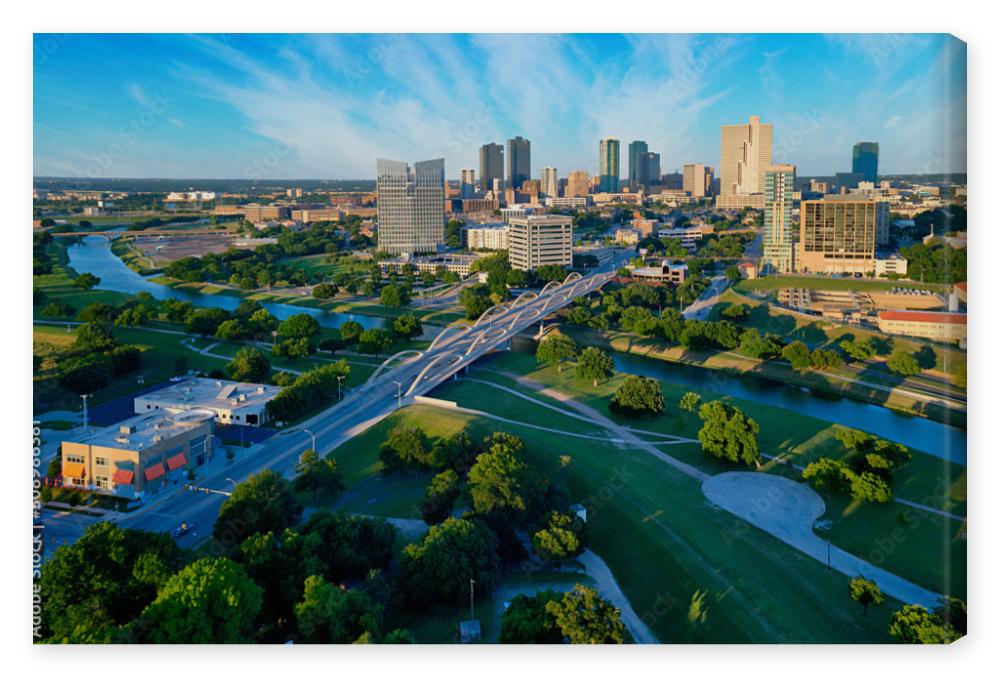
550 181
518 161
864 161
778 246
744 157
490 166
637 153
610 167
410 206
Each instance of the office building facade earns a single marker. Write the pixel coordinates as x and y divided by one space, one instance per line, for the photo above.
537 240
578 184
744 157
610 165
698 180
550 181
518 161
410 206
637 151
778 244
490 166
467 184
840 234
864 161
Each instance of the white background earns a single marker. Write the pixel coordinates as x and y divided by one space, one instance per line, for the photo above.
24 663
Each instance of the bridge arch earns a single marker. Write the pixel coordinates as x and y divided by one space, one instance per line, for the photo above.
551 285
430 365
448 330
572 276
391 361
495 310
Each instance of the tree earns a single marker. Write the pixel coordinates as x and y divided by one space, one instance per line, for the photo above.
211 601
953 611
456 451
263 502
797 354
503 487
733 273
440 497
914 624
405 447
93 337
298 326
206 321
231 330
329 614
870 487
349 547
753 344
527 621
374 341
407 327
737 311
394 296
727 433
831 474
689 401
562 536
638 396
595 365
324 291
350 330
866 592
556 349
439 567
86 281
903 363
861 351
476 300
586 619
249 366
318 475
292 348
825 359
108 576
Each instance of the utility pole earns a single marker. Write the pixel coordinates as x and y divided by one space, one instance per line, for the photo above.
472 599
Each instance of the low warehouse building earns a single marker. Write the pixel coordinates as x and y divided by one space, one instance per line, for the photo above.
940 326
241 404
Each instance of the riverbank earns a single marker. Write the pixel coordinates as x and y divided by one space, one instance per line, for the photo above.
897 398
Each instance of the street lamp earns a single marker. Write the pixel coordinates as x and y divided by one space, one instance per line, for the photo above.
274 337
399 394
306 430
84 398
339 395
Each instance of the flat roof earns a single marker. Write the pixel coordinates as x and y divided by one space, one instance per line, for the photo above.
138 432
209 393
925 317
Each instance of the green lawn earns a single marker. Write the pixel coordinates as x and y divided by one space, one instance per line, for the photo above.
663 542
927 548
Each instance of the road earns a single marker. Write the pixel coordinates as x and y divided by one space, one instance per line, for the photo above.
700 308
395 383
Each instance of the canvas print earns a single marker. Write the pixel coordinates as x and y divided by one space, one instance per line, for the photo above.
496 338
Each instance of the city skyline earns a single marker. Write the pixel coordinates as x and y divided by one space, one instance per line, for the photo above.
240 106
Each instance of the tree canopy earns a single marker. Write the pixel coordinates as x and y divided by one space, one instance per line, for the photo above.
727 433
263 502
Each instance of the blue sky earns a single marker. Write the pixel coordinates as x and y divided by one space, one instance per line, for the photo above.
326 106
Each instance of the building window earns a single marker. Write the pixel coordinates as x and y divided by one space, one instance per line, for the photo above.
100 461
75 459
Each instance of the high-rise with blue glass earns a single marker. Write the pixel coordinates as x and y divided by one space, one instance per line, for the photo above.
864 161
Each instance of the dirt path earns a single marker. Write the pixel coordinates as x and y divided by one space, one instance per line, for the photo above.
606 584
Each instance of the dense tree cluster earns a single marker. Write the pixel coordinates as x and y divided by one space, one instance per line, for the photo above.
866 475
579 616
727 433
638 396
309 392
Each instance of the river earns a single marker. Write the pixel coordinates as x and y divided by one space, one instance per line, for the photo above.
941 440
94 254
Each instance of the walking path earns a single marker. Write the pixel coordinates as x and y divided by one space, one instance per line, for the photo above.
779 506
606 584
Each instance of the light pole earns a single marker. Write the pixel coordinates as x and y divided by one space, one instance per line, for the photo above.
339 395
84 398
306 430
274 338
399 394
472 599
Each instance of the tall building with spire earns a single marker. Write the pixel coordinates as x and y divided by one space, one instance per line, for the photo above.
610 151
778 246
518 161
744 157
490 166
410 206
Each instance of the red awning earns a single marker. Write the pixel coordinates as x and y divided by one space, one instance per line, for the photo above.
123 477
153 472
176 461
